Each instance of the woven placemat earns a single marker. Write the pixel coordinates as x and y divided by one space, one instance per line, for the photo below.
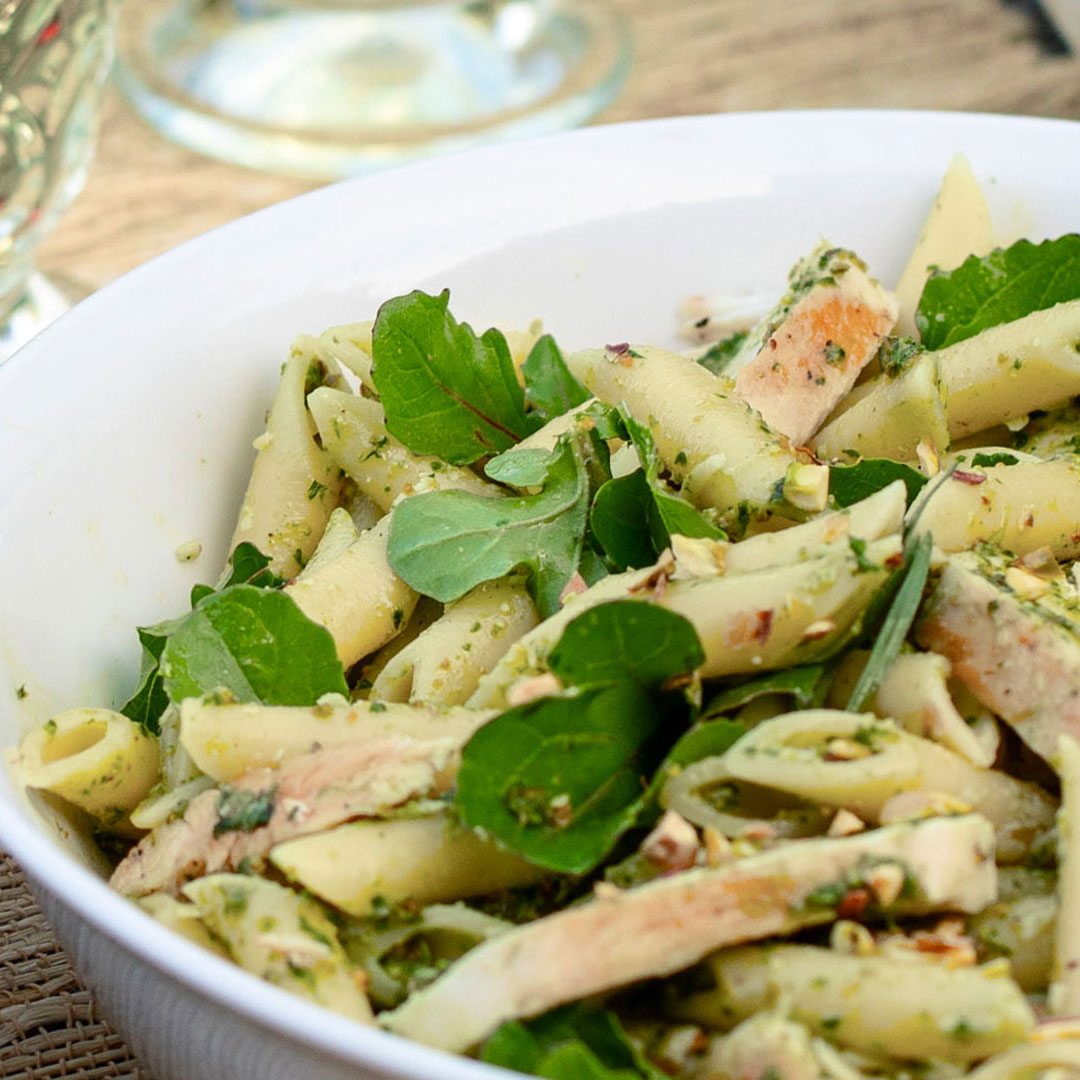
49 1025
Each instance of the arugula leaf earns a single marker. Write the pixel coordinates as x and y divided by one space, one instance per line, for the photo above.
149 700
626 640
623 520
852 483
988 460
633 517
717 357
906 597
1007 284
520 468
255 643
806 684
559 779
247 565
443 543
550 387
573 1042
445 391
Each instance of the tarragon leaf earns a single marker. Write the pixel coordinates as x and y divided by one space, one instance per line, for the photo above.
852 483
906 598
255 643
1007 284
443 543
550 386
573 1042
445 390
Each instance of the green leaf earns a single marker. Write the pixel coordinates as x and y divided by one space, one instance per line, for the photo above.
911 579
525 468
247 565
717 357
852 483
621 520
634 517
1007 284
550 387
255 643
572 1042
445 391
443 543
626 641
806 684
559 779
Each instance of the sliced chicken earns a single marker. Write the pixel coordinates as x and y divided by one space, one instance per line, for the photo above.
672 922
223 828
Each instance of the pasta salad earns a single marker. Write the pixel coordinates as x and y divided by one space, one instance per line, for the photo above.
641 713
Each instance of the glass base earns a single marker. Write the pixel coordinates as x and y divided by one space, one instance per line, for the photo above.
330 88
40 305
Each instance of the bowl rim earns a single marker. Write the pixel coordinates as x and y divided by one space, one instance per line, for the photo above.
88 896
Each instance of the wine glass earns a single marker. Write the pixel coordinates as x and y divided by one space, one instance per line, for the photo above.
54 58
327 88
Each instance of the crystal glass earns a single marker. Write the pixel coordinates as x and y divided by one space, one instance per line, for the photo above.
54 58
327 88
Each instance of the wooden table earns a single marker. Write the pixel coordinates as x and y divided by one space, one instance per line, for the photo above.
693 56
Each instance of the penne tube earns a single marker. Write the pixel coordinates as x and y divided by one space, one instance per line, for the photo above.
766 1045
1047 1057
353 431
1021 508
182 917
877 1005
350 346
665 925
712 442
281 937
443 665
294 483
357 596
957 226
753 621
858 763
888 416
1021 926
229 740
1064 995
97 759
915 693
424 860
1008 371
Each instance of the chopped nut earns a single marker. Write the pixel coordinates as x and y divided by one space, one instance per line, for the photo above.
697 557
845 824
853 903
718 849
886 882
536 686
604 890
840 749
819 628
928 458
852 939
912 805
1026 585
807 486
1042 564
673 844
576 585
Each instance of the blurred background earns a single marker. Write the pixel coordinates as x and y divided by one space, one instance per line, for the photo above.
145 194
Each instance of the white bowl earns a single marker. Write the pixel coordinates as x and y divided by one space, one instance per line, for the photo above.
125 430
